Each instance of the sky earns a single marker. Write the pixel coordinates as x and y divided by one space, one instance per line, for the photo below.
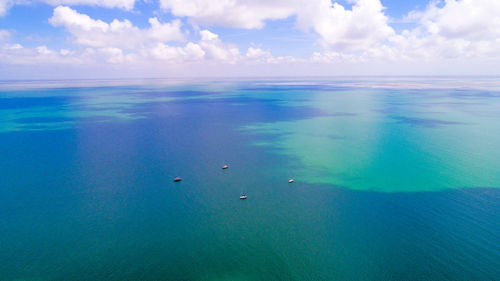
52 39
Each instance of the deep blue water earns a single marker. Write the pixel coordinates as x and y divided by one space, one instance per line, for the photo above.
391 183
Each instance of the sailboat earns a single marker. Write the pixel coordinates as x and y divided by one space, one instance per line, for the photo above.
243 194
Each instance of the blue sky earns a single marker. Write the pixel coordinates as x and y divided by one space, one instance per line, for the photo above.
158 38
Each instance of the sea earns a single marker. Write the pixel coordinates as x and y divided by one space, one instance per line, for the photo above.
395 178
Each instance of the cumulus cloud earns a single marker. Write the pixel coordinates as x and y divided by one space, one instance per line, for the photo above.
5 5
360 27
123 34
141 44
456 30
449 29
14 53
210 47
233 13
465 19
258 54
177 54
215 49
128 5
444 31
120 42
122 4
334 57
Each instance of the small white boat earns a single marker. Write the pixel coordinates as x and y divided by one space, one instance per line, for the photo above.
177 179
291 180
225 167
243 196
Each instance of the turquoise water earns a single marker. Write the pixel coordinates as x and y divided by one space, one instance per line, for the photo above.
394 180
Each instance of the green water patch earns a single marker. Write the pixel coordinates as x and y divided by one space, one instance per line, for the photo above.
390 142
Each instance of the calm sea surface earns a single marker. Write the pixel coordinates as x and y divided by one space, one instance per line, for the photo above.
394 180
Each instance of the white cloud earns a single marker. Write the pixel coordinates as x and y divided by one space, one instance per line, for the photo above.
122 4
463 31
99 42
112 39
453 29
465 19
14 53
114 55
233 13
128 5
3 7
190 52
96 33
215 49
446 31
258 54
361 27
207 35
210 47
334 57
